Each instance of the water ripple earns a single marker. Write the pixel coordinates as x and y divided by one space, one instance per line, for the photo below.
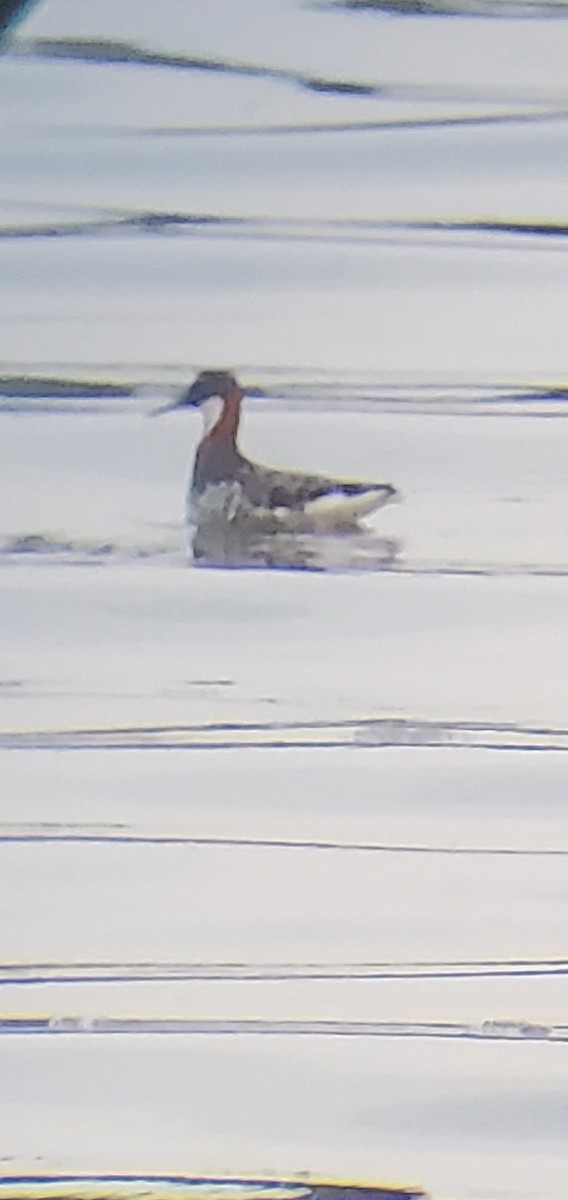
24 974
379 733
513 9
179 1187
491 1030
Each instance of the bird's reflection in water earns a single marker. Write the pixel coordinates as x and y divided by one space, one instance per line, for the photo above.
228 544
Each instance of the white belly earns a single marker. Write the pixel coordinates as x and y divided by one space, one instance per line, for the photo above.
336 509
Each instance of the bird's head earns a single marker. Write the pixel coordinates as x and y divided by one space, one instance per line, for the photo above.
208 384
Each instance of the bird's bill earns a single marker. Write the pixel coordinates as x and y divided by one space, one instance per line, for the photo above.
184 401
165 408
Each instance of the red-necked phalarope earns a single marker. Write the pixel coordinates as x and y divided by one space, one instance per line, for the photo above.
227 485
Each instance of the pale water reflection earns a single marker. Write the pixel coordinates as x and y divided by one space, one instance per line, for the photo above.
219 544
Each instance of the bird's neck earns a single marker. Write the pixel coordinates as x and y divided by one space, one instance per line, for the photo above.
221 415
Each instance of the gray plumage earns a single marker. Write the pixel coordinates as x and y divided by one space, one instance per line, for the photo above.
269 487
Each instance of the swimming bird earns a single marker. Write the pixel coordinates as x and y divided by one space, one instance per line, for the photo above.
227 485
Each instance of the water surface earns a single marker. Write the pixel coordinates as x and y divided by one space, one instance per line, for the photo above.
283 850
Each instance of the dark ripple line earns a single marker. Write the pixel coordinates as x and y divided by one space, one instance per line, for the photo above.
129 1026
355 733
379 724
152 1186
31 974
158 839
289 129
290 384
394 124
493 9
279 229
106 51
43 551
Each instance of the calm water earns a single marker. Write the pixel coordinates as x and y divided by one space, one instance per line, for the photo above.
283 852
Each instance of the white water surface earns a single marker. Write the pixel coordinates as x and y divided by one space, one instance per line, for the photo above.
283 852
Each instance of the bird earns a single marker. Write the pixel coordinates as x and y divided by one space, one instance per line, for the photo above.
228 486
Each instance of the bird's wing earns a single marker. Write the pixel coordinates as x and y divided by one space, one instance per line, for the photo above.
271 488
